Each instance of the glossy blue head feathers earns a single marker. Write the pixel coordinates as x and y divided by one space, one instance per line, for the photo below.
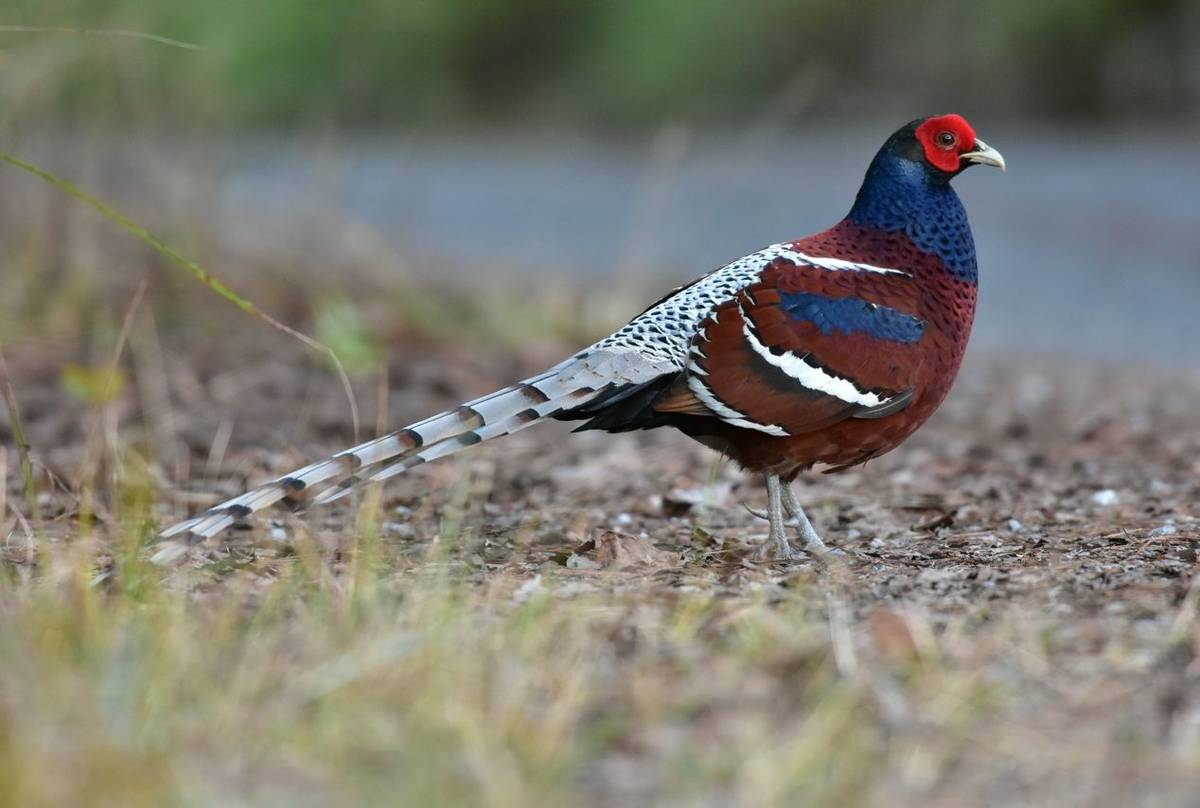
904 191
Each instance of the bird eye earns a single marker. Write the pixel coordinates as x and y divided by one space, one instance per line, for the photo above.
945 139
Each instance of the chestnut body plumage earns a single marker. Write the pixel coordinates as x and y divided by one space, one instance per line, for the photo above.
830 349
913 367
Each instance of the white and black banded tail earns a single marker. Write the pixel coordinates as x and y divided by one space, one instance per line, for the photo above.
567 385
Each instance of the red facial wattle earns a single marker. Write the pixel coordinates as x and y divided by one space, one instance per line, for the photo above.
945 138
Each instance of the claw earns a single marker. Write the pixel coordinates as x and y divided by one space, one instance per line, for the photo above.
757 514
769 551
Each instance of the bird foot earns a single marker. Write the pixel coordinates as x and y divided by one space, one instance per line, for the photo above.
812 542
771 550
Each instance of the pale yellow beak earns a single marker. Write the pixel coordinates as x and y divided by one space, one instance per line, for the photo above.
985 155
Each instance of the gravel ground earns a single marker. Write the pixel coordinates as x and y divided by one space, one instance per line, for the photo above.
1041 530
1069 488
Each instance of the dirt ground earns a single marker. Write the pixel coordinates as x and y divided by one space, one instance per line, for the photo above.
1048 508
1064 487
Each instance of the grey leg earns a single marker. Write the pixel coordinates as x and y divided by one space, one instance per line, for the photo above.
777 536
812 541
795 518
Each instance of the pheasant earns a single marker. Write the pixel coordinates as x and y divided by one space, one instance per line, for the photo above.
830 349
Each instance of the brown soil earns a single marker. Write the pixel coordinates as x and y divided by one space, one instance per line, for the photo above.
1041 491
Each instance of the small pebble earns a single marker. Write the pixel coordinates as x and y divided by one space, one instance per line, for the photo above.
526 589
1015 526
1167 529
624 519
1159 487
578 562
1105 498
401 530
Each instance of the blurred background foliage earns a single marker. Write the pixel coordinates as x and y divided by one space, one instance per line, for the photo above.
375 146
446 62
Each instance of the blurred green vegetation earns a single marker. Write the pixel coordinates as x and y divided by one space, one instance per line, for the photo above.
441 62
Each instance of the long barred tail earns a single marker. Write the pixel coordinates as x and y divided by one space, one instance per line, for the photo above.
567 385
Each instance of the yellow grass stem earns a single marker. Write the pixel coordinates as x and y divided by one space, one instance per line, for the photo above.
120 33
190 266
14 417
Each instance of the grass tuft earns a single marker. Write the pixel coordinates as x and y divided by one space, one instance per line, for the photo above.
18 431
191 267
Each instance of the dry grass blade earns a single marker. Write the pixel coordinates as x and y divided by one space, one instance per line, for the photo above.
121 33
87 467
14 417
197 271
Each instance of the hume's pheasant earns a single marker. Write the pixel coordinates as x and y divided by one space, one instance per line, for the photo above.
831 349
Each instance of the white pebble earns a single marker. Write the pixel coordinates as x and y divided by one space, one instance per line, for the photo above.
578 562
401 530
526 589
624 519
1105 498
1167 529
1015 526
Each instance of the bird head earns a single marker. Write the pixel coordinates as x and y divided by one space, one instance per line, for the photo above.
925 155
907 188
945 144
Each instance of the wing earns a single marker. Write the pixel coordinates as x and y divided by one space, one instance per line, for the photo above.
779 341
810 342
661 335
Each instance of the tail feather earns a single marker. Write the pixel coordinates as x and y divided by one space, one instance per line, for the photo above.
566 385
507 426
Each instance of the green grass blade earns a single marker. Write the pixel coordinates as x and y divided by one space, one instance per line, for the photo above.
190 266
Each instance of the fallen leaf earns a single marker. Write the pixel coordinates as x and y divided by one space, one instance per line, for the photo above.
609 549
892 635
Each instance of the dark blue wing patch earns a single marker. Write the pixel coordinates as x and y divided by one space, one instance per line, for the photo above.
849 315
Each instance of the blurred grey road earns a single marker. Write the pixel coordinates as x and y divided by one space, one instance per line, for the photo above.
1089 245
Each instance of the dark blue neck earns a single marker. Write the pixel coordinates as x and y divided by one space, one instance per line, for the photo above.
901 194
